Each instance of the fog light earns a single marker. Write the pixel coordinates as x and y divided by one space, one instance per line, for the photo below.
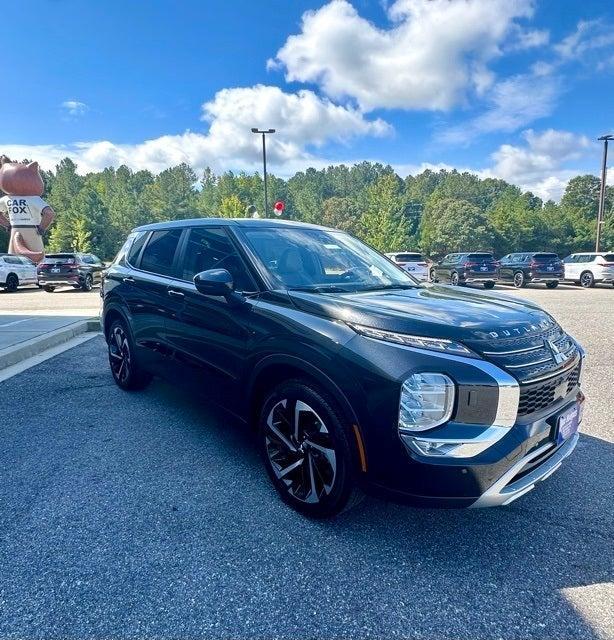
427 400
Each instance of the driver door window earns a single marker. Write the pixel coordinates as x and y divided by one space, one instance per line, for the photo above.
211 248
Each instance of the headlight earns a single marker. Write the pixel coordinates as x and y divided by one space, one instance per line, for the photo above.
420 342
427 400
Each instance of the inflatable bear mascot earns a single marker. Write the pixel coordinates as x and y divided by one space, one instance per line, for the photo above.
22 210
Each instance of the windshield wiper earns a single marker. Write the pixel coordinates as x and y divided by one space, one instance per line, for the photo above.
385 287
325 288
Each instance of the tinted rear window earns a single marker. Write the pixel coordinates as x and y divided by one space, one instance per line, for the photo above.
545 257
409 257
60 258
135 248
609 257
480 256
159 254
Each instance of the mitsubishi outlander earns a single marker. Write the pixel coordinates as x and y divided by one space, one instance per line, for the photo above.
355 377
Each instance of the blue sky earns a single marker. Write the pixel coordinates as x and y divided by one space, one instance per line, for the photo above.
518 89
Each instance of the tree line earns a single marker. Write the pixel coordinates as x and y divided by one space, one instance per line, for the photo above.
435 211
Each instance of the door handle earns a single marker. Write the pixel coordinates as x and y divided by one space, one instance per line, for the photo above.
175 293
128 280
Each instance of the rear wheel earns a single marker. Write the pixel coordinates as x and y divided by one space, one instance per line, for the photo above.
454 279
519 280
489 285
303 441
12 282
88 283
552 285
127 373
49 289
432 275
587 280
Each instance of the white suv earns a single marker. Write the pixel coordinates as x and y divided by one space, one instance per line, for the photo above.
413 263
15 271
587 269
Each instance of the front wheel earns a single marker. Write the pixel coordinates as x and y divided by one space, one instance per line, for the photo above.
303 442
587 280
127 373
12 282
552 285
489 285
49 289
454 279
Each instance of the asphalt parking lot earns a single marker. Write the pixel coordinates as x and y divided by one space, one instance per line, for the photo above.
150 515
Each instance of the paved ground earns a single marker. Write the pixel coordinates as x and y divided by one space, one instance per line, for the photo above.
65 301
30 312
148 515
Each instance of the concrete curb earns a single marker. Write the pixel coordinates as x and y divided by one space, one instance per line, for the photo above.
29 348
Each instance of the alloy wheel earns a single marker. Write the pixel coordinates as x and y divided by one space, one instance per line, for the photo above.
586 279
87 285
518 279
119 354
454 279
300 450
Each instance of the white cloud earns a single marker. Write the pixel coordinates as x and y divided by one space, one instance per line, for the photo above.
541 165
434 54
589 36
513 103
303 122
74 107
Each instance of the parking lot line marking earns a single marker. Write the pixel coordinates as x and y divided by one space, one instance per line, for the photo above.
10 324
15 369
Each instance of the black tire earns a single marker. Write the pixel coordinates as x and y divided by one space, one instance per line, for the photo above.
88 282
12 282
519 280
489 285
454 281
433 276
49 289
312 472
552 285
587 279
126 372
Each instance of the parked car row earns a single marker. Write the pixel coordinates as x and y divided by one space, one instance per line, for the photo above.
519 269
78 270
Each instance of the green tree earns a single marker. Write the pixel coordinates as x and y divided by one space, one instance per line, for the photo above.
341 213
450 224
231 207
384 224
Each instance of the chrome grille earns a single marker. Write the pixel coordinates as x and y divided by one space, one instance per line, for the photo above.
541 395
530 358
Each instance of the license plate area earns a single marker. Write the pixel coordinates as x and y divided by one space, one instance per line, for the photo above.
567 423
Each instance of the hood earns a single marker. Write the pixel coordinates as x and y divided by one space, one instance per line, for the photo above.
436 311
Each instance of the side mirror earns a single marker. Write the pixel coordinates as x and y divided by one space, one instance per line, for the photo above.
214 282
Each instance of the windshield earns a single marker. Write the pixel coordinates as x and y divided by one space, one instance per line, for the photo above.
321 260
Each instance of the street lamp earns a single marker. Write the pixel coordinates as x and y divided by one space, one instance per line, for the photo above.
604 170
264 133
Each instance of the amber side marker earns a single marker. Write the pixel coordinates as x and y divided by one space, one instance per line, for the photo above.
361 448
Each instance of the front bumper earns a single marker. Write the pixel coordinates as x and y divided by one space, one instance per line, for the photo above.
519 450
512 484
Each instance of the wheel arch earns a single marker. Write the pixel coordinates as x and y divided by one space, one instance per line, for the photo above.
275 369
113 313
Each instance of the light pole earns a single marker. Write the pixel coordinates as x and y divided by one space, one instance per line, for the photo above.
604 171
264 133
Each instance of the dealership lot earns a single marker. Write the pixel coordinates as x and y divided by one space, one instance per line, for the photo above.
150 514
